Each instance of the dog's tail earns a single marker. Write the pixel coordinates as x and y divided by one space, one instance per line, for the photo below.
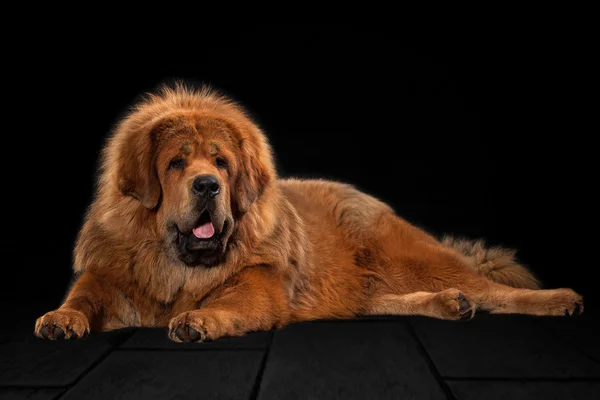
497 263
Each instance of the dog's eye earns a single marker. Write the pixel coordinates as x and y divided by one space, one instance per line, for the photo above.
221 163
177 163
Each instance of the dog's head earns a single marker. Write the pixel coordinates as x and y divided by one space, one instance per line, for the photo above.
199 163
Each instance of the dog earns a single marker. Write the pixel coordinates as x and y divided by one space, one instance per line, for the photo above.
191 229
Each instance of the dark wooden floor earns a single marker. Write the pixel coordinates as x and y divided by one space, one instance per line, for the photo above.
490 357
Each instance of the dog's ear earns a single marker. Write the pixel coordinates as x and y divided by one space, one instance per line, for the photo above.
137 175
256 170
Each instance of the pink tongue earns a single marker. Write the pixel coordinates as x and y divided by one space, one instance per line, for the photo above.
204 231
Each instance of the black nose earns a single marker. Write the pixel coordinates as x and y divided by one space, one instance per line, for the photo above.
206 186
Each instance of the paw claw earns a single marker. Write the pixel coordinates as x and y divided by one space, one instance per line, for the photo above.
181 334
194 335
45 332
466 315
464 304
58 333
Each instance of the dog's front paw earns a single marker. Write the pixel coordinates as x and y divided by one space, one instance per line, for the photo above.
62 324
195 326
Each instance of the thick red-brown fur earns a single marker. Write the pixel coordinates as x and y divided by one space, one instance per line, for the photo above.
298 249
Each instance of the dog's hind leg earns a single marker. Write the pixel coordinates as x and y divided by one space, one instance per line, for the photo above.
448 304
452 304
502 299
420 276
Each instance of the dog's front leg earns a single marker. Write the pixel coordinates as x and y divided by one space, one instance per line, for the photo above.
91 304
253 300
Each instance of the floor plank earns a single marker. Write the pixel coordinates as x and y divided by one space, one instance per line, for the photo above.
171 375
495 390
31 361
29 394
332 360
511 346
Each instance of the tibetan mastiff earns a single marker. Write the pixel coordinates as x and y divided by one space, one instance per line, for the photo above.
191 229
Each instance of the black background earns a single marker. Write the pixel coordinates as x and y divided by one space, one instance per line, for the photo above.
481 135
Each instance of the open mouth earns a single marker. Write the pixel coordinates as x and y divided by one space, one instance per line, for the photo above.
202 245
204 227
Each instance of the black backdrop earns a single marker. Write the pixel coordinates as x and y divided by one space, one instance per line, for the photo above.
478 135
